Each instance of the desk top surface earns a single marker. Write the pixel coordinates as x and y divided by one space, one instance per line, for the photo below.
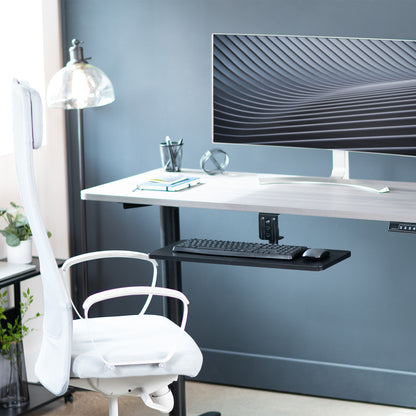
237 191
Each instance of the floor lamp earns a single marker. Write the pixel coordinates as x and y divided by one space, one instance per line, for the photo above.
76 86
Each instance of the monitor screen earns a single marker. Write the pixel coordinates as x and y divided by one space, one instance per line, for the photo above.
315 92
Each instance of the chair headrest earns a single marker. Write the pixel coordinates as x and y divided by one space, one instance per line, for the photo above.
22 89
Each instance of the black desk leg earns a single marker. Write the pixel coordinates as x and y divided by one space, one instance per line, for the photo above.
172 278
171 274
171 270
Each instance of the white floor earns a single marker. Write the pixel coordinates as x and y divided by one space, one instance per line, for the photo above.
230 401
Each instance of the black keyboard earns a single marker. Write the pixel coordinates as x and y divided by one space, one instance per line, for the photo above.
239 249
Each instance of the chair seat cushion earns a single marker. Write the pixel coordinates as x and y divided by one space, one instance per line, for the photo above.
131 338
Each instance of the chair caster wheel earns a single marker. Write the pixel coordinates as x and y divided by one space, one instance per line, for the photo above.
69 398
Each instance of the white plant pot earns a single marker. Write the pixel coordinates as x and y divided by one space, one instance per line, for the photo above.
21 254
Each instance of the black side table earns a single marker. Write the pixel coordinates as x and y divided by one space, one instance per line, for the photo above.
38 395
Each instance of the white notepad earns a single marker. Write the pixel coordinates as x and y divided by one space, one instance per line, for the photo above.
13 269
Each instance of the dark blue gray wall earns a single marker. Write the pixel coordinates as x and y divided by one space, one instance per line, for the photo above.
347 332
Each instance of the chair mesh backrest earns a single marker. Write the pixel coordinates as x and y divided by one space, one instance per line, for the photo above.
53 364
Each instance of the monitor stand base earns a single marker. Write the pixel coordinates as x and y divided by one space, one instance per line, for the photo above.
339 176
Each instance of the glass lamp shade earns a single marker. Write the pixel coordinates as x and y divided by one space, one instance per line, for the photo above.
79 85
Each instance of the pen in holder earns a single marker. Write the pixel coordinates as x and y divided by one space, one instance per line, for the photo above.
171 154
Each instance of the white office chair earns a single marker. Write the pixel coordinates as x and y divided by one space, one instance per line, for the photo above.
136 355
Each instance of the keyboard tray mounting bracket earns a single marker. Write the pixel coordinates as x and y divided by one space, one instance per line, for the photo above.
269 227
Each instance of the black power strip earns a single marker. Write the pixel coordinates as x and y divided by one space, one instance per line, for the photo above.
403 227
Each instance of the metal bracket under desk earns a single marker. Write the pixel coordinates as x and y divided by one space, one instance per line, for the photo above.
335 256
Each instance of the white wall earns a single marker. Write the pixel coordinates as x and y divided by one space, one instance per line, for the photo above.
50 160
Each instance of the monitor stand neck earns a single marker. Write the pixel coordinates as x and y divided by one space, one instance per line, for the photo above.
340 176
340 164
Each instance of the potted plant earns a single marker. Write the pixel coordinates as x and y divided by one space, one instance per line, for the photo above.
13 381
18 234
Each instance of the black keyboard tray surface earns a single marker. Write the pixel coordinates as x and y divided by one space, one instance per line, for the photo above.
299 263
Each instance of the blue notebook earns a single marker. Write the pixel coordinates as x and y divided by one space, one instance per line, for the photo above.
169 183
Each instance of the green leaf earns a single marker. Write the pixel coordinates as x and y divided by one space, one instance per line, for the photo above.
12 240
11 332
17 225
20 220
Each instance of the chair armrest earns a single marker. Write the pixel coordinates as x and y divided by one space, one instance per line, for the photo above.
134 291
95 255
104 254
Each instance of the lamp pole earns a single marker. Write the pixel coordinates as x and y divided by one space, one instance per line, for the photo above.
82 204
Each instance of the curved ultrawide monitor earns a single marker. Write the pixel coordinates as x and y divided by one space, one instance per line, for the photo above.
315 92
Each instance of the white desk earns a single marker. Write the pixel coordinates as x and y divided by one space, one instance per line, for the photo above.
241 192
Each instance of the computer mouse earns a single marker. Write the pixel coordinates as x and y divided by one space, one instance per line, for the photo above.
315 253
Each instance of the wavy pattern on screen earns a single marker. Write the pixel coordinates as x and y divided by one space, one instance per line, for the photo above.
331 93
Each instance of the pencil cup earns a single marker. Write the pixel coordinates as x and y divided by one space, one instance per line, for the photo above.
171 155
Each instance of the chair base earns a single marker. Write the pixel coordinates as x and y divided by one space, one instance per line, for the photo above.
112 406
153 390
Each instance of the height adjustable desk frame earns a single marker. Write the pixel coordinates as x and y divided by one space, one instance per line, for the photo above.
237 191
